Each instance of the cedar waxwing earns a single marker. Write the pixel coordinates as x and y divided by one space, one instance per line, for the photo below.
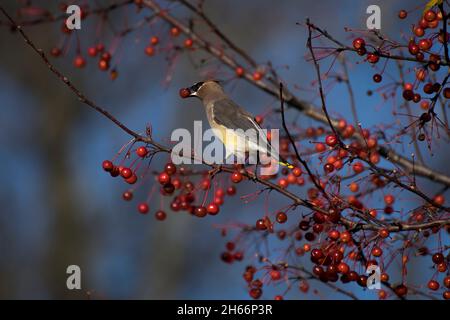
223 114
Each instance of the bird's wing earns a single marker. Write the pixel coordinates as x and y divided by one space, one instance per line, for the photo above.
230 115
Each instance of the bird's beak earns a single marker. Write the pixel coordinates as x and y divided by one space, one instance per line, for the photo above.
192 91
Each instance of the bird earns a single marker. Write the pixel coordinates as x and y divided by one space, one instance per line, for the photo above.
224 114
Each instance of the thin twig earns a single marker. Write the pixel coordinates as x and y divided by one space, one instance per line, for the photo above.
299 158
349 89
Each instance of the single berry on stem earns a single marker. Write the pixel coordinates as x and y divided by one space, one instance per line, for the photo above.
143 208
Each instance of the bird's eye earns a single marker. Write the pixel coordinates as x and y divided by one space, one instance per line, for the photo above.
197 86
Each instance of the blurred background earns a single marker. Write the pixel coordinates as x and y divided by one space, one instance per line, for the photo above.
59 208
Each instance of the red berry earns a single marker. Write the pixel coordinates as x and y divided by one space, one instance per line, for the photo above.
212 209
219 192
316 255
114 172
358 167
79 62
188 43
421 74
200 212
419 32
429 15
377 252
346 236
184 93
56 52
343 268
218 201
428 88
255 293
447 93
402 14
373 57
239 71
127 195
205 184
160 215
331 140
281 217
439 199
358 43
163 178
446 281
174 31
230 246
100 47
442 267
150 51
170 168
143 208
388 210
106 56
334 234
416 98
257 76
413 48
231 190
259 119
408 95
425 44
154 40
141 152
361 51
297 172
433 285
320 147
401 290
438 258
92 51
236 177
389 199
103 65
168 189
260 224
377 78
132 179
383 233
126 173
275 275
283 183
107 165
354 187
328 168
227 257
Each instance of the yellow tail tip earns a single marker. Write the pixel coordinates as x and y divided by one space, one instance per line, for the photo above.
285 164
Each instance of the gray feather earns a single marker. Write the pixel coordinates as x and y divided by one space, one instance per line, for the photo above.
230 115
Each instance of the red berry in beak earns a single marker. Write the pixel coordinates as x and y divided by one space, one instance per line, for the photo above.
184 93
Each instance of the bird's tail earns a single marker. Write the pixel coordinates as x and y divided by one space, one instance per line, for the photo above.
286 164
283 162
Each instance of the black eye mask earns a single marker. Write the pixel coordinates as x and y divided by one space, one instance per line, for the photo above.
196 86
